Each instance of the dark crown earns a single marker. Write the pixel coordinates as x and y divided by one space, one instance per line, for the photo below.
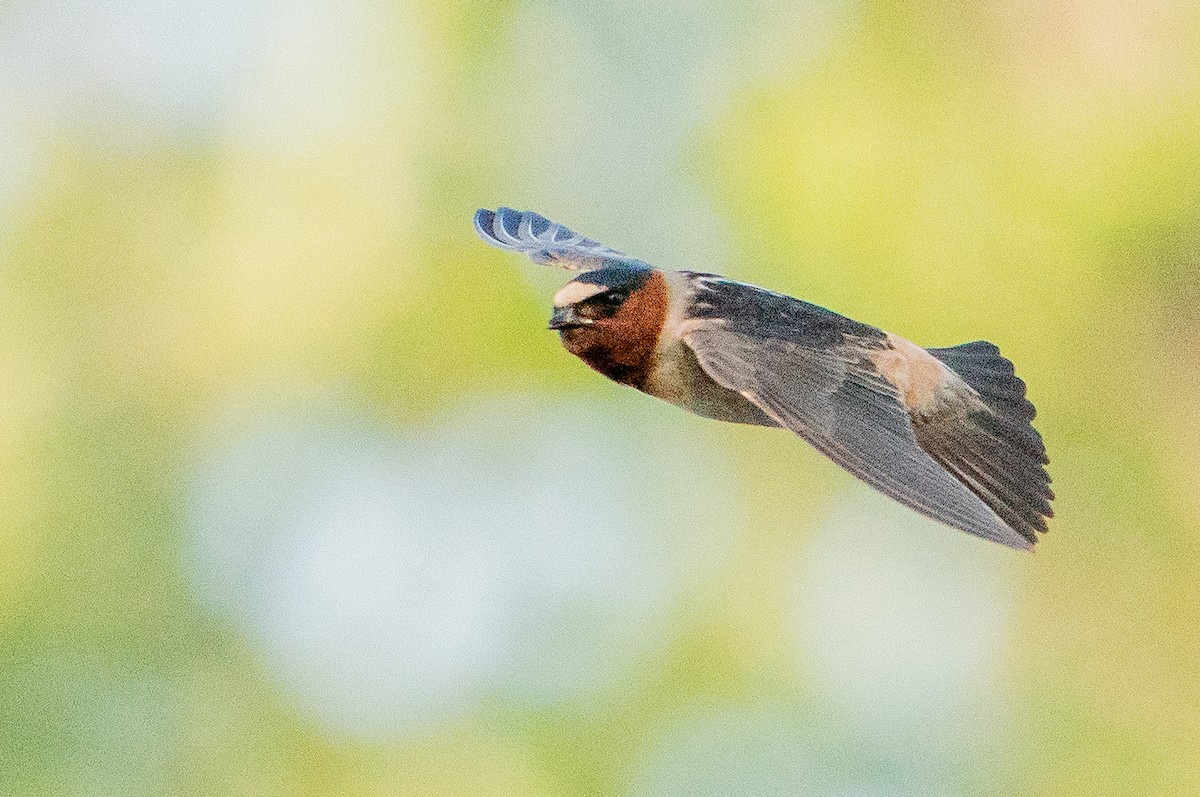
626 276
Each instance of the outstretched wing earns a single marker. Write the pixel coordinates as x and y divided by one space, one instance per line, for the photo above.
544 241
813 371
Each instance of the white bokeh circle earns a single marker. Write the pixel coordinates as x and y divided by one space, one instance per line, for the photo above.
901 622
521 548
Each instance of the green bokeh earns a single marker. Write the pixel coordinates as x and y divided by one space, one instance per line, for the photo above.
1025 174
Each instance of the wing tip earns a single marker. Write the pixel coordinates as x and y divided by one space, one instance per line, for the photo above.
544 241
1022 543
999 531
513 230
484 219
996 529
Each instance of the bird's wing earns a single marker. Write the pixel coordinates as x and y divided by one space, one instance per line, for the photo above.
813 371
545 241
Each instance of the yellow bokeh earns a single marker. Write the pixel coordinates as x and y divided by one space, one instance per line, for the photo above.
299 496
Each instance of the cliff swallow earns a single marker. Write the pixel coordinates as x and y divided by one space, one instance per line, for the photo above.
946 432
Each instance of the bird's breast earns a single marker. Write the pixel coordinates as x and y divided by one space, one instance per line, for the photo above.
677 377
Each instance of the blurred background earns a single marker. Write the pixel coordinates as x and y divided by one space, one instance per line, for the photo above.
299 497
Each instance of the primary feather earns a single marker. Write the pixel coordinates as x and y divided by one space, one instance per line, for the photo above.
545 241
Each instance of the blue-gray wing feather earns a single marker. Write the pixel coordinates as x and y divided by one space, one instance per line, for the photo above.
545 241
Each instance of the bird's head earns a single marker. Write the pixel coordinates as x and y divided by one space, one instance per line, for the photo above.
611 317
598 301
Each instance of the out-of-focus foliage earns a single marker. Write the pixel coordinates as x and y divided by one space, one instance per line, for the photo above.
297 495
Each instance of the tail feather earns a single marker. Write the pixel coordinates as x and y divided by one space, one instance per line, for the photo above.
1015 433
1010 467
995 452
1011 508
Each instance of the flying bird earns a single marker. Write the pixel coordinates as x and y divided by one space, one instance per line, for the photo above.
945 431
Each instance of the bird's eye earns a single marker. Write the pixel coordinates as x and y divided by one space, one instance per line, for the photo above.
602 305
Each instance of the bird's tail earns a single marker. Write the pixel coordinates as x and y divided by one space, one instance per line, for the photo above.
996 452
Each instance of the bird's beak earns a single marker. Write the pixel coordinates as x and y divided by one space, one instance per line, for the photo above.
565 318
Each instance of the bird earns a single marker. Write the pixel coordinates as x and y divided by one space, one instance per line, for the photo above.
947 432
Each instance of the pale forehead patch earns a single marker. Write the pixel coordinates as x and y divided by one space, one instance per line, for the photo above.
574 292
